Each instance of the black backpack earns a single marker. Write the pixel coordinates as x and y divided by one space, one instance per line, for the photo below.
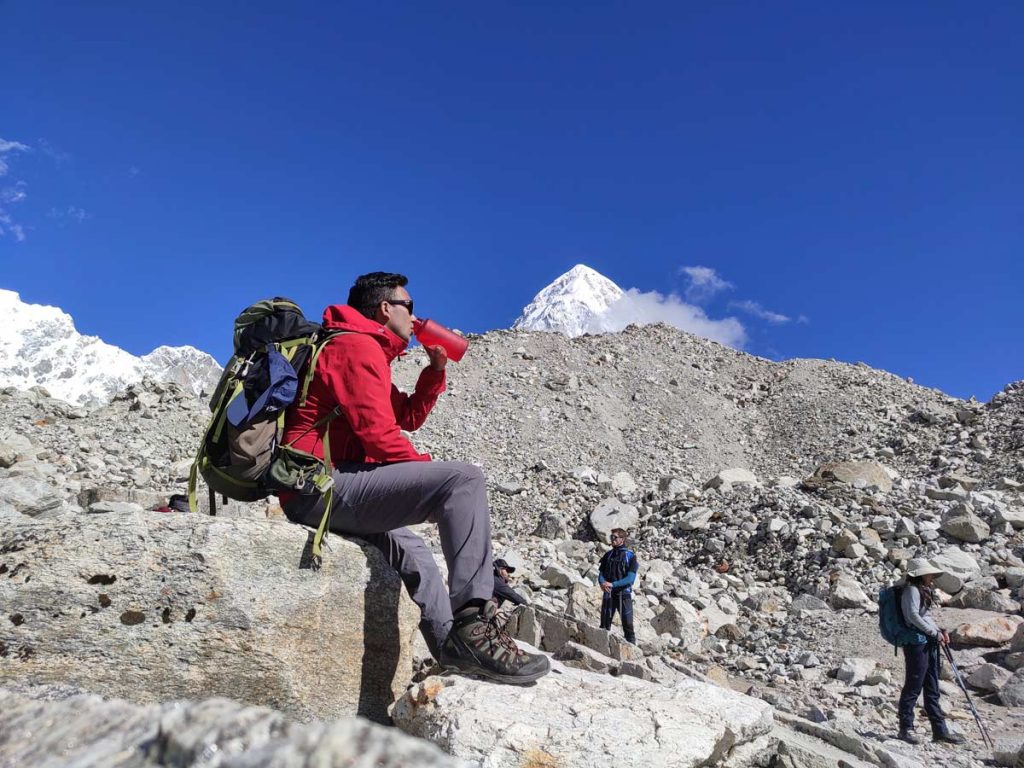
241 456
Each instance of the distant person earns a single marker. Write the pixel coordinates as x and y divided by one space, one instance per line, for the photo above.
177 503
616 575
922 658
502 590
383 484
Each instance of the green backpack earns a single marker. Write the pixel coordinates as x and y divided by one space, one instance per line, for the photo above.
241 455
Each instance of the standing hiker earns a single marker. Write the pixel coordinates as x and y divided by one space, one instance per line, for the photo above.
922 658
382 483
616 575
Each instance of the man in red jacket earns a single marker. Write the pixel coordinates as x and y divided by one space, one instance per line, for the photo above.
382 483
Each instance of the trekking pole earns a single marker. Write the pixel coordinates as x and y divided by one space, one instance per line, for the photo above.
970 703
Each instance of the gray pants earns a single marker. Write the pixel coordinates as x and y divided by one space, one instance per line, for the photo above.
375 502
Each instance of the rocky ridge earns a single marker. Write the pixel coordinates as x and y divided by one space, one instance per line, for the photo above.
770 500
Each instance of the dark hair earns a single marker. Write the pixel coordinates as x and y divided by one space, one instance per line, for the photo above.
370 290
927 593
622 531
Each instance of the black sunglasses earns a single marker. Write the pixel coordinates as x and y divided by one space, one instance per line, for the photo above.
407 303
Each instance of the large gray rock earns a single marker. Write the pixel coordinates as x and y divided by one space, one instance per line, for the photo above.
727 478
991 632
984 599
989 678
85 730
612 513
964 525
29 496
150 606
577 719
958 566
866 475
846 592
1012 692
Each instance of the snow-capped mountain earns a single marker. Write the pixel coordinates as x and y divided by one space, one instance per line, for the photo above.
571 303
40 346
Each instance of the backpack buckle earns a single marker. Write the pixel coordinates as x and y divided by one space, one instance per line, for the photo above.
323 482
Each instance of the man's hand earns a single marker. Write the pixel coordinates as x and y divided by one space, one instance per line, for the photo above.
438 357
606 586
943 637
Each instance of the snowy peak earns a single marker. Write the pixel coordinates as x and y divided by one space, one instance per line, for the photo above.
571 303
39 346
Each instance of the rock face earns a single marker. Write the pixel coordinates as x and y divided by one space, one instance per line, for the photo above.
150 607
611 721
86 730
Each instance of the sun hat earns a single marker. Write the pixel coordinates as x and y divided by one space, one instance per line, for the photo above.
919 566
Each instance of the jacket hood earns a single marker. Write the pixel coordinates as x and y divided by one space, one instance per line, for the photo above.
342 317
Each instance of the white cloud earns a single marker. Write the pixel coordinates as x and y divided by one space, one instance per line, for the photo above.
13 194
653 307
9 146
72 213
704 283
755 309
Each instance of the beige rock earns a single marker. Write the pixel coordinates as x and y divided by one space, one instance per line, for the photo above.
150 607
990 633
867 475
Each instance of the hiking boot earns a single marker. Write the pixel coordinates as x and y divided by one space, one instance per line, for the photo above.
943 734
907 735
477 645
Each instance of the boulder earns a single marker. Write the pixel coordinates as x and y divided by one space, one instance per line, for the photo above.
695 519
1017 641
865 475
962 524
1013 516
560 577
576 719
727 478
847 593
29 496
612 513
854 671
958 566
579 656
989 678
1012 692
150 607
806 602
989 633
984 599
85 730
680 619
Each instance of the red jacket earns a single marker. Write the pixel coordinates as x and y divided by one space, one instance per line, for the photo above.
354 372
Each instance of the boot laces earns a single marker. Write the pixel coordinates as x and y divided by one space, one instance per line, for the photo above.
495 632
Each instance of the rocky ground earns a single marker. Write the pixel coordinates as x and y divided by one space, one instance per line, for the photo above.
768 501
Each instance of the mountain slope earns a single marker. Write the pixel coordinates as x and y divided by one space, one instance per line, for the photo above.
39 346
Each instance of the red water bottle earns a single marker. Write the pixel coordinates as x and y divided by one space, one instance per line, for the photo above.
429 332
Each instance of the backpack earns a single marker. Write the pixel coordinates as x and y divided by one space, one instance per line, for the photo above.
891 624
241 456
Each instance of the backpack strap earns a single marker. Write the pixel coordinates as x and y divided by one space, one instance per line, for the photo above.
318 347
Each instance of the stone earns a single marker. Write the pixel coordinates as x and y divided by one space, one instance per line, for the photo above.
571 716
681 620
1017 641
115 507
153 607
551 525
989 633
560 577
612 513
88 730
581 657
727 478
1014 577
695 519
1012 516
984 599
847 593
854 671
1012 692
29 496
865 475
958 566
989 678
844 539
806 602
964 525
623 484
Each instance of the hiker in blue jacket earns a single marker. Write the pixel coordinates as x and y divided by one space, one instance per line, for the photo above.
616 575
923 658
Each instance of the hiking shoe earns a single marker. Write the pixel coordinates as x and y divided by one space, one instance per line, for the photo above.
478 645
908 736
946 736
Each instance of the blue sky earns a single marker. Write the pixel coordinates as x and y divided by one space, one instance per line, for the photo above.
856 168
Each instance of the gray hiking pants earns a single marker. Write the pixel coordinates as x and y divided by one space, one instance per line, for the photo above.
374 502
